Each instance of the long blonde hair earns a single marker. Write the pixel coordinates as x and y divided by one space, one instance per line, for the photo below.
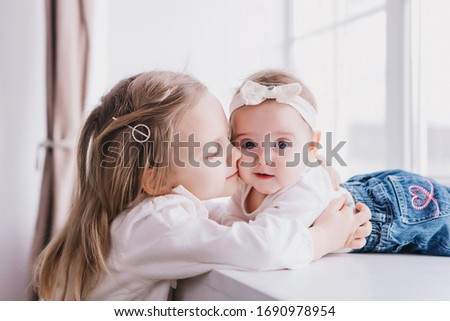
73 262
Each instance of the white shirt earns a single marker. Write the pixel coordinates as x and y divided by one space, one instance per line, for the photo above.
171 237
304 200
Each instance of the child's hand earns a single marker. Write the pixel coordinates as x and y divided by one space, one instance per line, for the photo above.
358 241
338 227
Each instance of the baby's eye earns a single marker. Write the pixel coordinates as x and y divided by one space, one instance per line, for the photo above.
282 144
248 144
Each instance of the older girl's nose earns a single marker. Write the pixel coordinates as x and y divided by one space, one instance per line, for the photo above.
236 153
233 156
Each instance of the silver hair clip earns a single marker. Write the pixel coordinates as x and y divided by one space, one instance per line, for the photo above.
134 130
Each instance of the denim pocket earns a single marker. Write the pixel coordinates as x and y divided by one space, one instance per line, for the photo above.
419 198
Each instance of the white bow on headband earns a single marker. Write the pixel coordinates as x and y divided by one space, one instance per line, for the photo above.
253 93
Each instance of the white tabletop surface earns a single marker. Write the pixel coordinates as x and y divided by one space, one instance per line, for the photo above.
334 277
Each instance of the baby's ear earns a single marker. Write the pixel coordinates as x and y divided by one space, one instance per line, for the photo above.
317 135
315 141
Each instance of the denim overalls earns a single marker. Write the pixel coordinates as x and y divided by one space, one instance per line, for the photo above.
410 213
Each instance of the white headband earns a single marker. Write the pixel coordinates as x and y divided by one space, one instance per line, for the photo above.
253 93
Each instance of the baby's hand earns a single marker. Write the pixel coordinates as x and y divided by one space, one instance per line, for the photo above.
358 240
339 227
350 202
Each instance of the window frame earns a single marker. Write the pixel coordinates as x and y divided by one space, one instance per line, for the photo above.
406 127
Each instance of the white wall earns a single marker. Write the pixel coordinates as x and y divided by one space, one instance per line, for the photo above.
220 42
22 124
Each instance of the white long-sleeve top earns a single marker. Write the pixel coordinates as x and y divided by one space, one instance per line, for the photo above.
170 237
304 200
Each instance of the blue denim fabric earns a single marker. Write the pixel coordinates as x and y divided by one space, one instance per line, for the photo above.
410 213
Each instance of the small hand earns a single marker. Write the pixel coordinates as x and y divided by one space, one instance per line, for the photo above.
358 240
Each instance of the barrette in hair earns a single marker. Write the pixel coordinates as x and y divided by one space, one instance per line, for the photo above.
134 130
253 93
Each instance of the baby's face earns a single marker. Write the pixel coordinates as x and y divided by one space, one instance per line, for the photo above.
274 141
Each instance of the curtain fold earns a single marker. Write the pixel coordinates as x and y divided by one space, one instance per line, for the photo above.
67 60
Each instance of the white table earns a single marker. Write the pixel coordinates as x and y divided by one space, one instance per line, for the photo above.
334 277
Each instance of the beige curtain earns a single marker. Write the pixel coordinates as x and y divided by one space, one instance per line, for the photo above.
67 25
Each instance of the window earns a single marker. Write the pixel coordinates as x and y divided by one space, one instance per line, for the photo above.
379 70
432 81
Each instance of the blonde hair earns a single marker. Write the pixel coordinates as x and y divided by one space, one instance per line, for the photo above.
73 262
